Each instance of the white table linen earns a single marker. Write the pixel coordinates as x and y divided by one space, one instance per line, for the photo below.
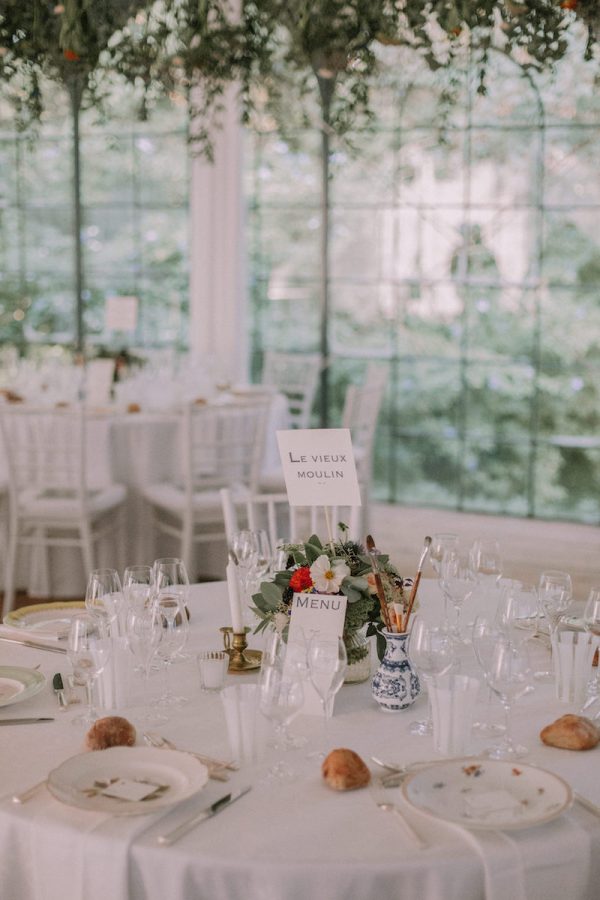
296 839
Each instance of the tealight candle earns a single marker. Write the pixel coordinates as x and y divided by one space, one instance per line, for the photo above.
213 667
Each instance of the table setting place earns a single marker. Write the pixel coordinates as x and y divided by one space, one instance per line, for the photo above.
157 717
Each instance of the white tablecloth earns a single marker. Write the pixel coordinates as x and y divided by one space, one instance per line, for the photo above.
289 840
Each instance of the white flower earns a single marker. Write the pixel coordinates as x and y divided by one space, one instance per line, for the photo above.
328 575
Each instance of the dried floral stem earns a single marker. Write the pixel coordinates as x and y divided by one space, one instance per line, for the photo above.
378 582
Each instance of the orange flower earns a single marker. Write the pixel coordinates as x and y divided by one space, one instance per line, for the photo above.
70 55
301 580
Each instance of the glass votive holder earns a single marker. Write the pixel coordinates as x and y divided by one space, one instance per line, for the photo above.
212 665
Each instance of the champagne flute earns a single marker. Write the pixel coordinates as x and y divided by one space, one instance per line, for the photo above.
104 597
555 593
88 650
144 630
431 649
327 663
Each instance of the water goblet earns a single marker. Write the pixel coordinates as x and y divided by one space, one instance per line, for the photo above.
431 649
516 612
88 650
104 597
281 692
486 562
137 586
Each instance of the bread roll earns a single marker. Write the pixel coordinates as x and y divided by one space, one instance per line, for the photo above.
571 733
344 770
134 408
111 731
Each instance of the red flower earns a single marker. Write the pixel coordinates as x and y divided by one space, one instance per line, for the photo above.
70 55
301 580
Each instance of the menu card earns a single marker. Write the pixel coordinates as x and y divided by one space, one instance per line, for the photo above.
314 615
319 467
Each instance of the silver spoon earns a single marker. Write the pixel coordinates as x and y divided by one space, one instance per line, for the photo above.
408 829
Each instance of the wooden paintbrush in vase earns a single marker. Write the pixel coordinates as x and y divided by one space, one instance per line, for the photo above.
415 587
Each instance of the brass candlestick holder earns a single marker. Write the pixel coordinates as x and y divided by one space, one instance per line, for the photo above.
241 659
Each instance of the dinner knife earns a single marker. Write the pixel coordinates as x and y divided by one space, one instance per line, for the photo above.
33 645
27 721
171 836
59 690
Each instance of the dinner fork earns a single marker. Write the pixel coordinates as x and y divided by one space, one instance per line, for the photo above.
216 767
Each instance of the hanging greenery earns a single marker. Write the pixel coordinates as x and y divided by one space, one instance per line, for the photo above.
266 45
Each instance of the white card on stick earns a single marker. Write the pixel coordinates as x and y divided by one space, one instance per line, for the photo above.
319 467
121 313
314 615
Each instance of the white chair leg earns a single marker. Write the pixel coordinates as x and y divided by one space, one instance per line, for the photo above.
11 565
87 548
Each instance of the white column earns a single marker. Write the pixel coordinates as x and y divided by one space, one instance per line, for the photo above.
218 294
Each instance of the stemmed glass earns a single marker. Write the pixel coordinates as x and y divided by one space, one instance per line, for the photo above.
144 630
244 552
440 542
327 662
591 620
457 581
486 562
431 649
555 593
517 609
281 693
507 672
264 556
88 650
104 597
170 582
138 582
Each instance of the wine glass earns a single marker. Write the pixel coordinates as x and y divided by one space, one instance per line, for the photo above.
555 593
264 555
170 607
281 698
431 649
170 581
104 597
88 650
440 542
591 620
517 608
507 671
144 630
457 581
137 586
327 662
486 562
484 635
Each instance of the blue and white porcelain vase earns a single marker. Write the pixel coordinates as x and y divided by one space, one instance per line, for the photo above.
395 683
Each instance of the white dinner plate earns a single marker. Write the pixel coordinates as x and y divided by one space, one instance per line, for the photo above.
488 794
46 619
17 684
80 780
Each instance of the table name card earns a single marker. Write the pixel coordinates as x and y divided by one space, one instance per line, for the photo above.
121 313
314 615
319 467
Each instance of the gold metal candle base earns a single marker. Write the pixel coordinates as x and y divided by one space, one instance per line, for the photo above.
241 659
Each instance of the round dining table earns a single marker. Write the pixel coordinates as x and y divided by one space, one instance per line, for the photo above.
291 837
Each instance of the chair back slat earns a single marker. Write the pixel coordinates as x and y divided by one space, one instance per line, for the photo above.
295 375
44 449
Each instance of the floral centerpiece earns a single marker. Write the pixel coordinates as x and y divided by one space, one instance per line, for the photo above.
338 567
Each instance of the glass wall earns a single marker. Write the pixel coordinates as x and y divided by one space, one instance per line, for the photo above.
465 257
134 190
